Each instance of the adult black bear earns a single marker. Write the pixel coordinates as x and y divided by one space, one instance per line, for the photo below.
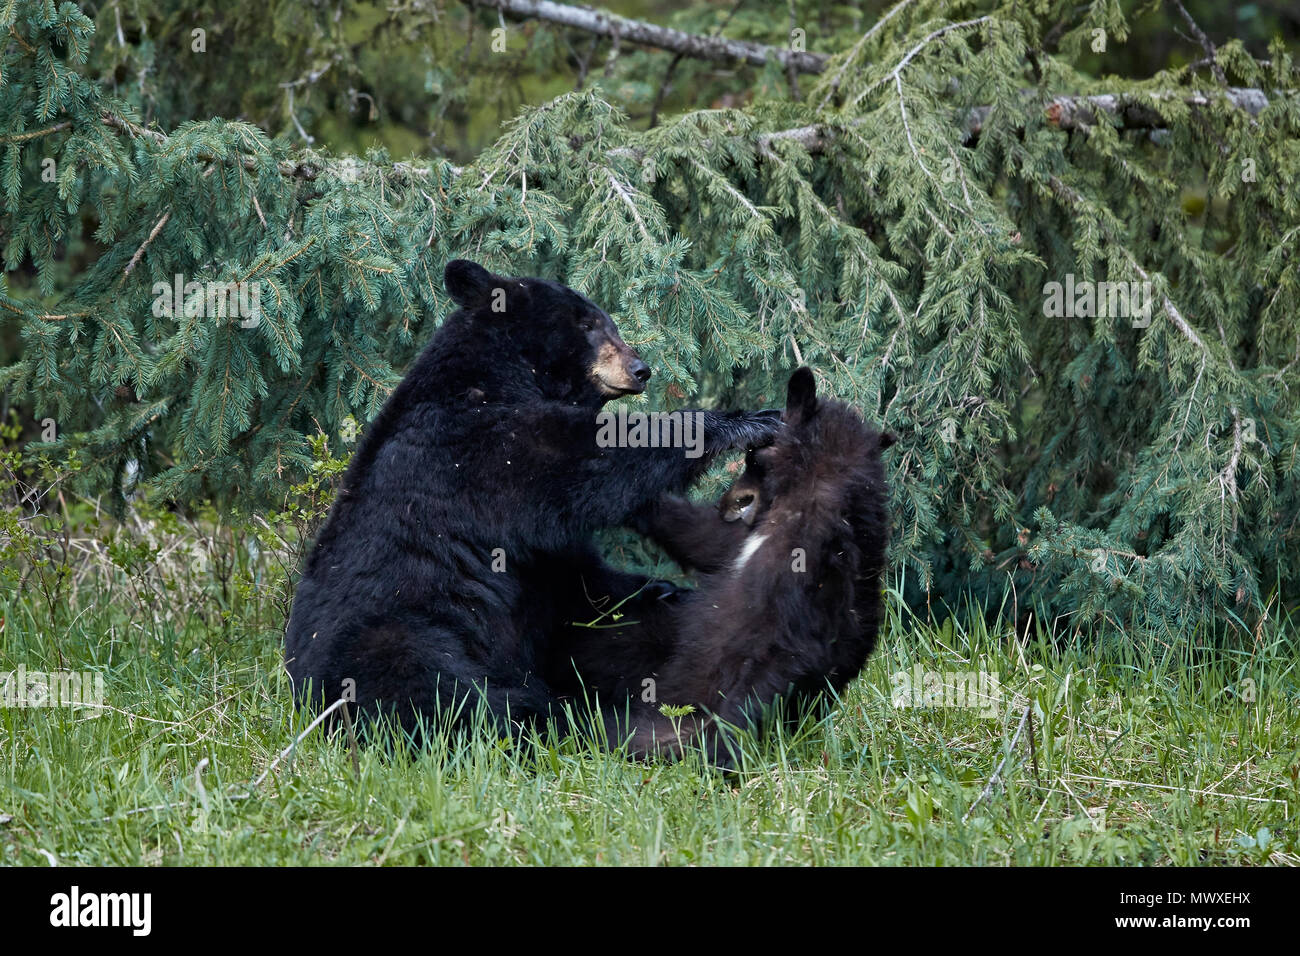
789 603
461 533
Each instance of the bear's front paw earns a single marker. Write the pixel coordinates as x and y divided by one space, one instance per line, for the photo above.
752 429
659 591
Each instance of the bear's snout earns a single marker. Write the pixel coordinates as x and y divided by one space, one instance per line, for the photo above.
618 370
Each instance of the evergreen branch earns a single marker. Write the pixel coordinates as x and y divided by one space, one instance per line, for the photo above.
145 245
293 169
36 133
623 194
722 183
1067 112
1075 199
1227 478
131 129
43 316
915 51
834 86
601 23
27 47
902 109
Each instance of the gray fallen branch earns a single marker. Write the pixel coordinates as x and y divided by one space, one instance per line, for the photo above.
1134 110
601 23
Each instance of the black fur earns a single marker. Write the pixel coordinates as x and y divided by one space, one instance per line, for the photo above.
489 442
768 623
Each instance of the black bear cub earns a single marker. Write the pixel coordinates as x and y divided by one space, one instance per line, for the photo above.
789 601
462 533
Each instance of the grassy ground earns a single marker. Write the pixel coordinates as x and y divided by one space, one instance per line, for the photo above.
1130 757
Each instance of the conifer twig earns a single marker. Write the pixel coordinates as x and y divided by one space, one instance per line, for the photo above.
145 245
839 74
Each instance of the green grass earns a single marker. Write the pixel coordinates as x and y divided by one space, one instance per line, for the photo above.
1143 757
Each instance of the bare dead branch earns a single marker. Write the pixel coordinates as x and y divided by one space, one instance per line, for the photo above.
715 49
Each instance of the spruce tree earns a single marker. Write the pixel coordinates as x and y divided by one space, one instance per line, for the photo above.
905 212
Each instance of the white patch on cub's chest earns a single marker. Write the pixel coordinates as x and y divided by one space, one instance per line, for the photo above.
751 545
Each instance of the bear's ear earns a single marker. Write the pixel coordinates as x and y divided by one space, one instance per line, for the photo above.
800 396
468 283
887 440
